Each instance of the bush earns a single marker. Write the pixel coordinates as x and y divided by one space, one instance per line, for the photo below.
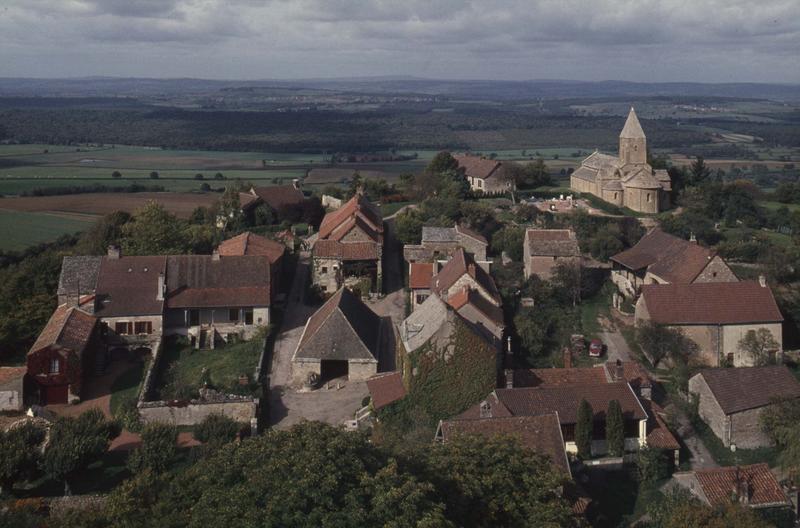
128 415
154 175
216 430
652 464
219 176
198 176
158 448
116 174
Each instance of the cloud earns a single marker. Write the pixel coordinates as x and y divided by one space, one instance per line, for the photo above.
460 38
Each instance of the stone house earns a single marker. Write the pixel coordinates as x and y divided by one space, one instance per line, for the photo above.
564 400
661 258
349 247
482 314
731 400
544 249
440 243
485 175
342 339
626 180
462 272
541 434
715 315
419 281
250 244
753 486
286 200
12 389
62 355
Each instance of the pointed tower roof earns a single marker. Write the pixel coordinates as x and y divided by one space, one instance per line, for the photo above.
632 128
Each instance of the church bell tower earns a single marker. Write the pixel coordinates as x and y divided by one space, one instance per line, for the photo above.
632 142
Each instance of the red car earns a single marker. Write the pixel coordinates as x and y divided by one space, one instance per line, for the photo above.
596 348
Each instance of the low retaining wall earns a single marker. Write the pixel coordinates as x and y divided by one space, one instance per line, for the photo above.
191 413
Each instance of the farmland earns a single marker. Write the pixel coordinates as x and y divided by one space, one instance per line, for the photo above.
19 230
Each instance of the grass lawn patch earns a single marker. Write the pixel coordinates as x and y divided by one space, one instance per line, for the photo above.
182 371
594 307
127 385
19 230
391 208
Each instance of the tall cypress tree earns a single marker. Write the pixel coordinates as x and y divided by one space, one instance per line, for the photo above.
615 431
583 429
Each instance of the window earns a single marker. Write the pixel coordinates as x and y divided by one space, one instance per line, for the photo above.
144 327
123 328
480 184
55 366
649 197
421 298
233 314
324 269
615 196
194 317
248 316
714 274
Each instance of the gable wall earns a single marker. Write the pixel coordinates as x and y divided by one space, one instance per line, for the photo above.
708 408
716 271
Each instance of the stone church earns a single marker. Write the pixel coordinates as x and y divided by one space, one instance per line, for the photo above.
627 180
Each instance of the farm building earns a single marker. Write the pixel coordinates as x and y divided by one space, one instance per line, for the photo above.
545 249
731 400
661 258
341 339
626 180
716 316
286 200
62 354
484 174
440 243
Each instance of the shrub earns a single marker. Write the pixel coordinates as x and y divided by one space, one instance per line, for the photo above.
154 175
615 433
584 429
128 415
116 174
219 176
198 176
216 430
158 448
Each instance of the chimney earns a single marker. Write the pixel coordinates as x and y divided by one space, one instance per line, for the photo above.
162 287
215 255
486 409
619 371
296 183
114 252
692 238
762 280
509 378
567 357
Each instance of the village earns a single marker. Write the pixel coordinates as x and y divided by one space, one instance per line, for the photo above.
472 310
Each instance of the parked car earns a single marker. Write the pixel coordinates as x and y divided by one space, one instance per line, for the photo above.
596 348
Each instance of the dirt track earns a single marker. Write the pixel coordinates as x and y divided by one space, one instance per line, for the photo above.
180 204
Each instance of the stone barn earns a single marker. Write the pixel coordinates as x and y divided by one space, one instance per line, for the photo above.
731 400
340 340
12 381
545 249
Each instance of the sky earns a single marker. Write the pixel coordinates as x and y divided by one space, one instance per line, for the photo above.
632 40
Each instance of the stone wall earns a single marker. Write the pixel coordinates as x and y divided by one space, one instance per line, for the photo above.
543 266
360 371
717 271
746 430
325 273
302 369
732 334
11 400
466 281
708 408
642 200
242 410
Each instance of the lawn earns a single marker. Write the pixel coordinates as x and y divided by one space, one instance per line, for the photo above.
777 205
19 230
391 208
182 370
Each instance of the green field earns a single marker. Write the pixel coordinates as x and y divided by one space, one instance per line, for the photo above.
20 230
777 205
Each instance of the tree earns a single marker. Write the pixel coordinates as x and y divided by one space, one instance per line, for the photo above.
105 232
615 429
229 208
441 163
263 215
158 448
584 430
662 342
699 172
198 176
116 174
75 443
19 454
680 509
409 226
216 430
652 464
567 276
781 423
154 175
153 231
759 345
205 187
509 240
219 176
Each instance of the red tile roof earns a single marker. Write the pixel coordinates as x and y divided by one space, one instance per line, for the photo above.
358 208
553 377
469 297
460 264
201 281
129 286
658 434
632 372
251 244
477 166
385 389
710 303
541 434
11 373
345 250
669 257
719 484
419 275
69 328
279 196
742 388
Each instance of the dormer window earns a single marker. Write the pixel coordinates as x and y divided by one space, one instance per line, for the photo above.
55 366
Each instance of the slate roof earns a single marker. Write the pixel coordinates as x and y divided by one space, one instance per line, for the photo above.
564 399
431 319
68 328
385 389
459 265
345 250
742 388
552 242
356 211
554 377
632 128
79 273
541 434
450 234
201 281
471 233
278 196
419 275
710 303
478 167
718 485
129 286
344 328
251 244
669 257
